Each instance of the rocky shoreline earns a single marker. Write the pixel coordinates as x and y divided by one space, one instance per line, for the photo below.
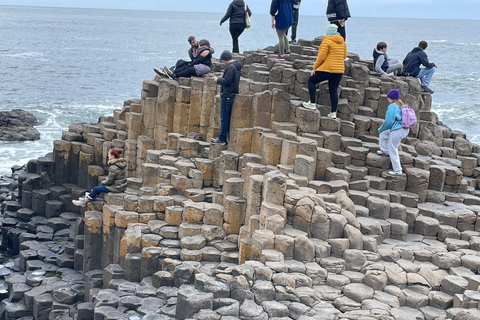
18 125
295 219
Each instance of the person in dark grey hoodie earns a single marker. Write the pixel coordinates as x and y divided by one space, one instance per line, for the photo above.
230 83
236 13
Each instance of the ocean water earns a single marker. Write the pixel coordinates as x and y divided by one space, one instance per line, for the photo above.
70 66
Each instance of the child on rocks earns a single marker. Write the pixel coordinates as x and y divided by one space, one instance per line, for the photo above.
383 64
115 182
392 132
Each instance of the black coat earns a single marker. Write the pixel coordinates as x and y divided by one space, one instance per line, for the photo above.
337 10
236 12
230 81
413 60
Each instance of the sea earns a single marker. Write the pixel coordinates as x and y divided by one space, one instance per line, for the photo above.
70 66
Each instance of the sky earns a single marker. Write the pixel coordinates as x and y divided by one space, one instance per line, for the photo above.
427 9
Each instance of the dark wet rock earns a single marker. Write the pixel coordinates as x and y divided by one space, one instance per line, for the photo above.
18 125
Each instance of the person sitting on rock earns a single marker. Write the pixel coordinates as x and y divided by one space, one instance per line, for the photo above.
196 53
383 64
392 132
116 180
412 63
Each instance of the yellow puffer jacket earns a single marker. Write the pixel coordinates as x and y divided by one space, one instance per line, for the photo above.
331 54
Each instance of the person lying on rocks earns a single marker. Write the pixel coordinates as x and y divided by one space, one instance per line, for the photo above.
201 63
116 180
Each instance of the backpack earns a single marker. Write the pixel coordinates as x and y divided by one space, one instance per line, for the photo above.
409 118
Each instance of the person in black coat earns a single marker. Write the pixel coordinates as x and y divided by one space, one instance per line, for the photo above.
230 84
412 62
236 13
338 13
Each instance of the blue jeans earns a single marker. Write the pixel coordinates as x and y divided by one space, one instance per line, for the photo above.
97 190
225 113
425 75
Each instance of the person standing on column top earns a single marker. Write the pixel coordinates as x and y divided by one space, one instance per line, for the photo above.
236 13
296 9
230 83
338 13
281 12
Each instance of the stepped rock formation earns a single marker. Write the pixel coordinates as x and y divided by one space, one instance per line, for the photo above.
295 219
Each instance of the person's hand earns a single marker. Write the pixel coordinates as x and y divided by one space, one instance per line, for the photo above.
436 65
220 23
341 22
312 73
387 74
205 53
273 25
215 79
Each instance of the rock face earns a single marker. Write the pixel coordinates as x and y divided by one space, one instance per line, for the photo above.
296 218
18 125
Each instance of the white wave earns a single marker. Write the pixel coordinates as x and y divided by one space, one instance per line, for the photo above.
25 54
439 41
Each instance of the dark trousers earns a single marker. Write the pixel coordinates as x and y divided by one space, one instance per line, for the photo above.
180 63
333 82
341 29
97 190
294 25
225 113
236 30
184 71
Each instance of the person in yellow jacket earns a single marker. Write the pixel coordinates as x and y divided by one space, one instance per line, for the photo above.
328 66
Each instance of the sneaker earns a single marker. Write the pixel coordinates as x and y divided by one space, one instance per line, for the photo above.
395 173
427 89
168 71
292 42
87 197
280 56
287 52
80 202
332 115
309 105
381 153
160 72
218 141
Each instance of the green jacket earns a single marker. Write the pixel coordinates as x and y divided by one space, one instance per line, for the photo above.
117 175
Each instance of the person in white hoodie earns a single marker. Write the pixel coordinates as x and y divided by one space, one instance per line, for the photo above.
383 64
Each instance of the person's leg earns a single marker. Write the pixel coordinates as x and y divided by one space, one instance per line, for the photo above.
396 137
234 33
184 72
180 63
97 190
294 25
383 140
285 40
341 29
225 113
317 77
425 75
281 41
395 67
333 83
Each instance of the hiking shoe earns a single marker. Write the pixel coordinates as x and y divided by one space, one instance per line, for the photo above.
160 72
218 141
167 70
280 56
427 89
332 115
381 153
309 105
287 52
395 173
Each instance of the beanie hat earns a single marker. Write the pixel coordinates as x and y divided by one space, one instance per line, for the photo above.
226 56
331 29
393 94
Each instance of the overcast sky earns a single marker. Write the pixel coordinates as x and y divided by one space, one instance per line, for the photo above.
430 9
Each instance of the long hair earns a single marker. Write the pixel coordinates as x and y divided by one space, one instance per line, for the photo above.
399 103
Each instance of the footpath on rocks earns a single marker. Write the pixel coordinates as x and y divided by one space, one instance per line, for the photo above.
295 219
